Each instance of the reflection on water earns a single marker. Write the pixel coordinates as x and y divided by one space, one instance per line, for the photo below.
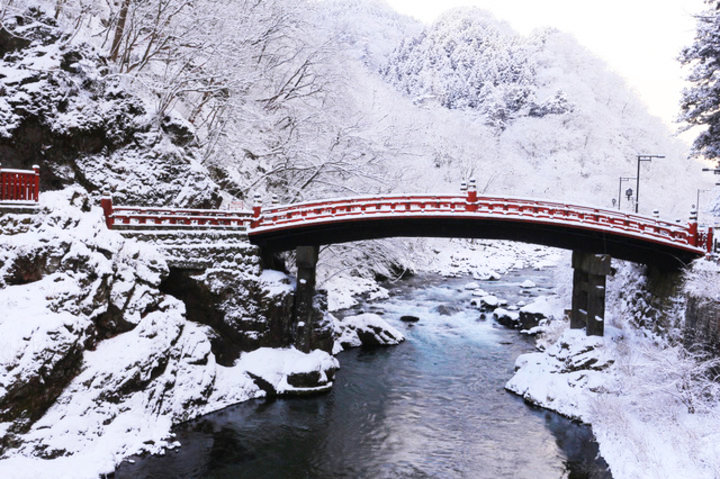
432 407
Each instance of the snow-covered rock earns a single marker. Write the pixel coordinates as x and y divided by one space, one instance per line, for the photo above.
554 378
289 371
367 330
505 317
533 316
528 284
489 302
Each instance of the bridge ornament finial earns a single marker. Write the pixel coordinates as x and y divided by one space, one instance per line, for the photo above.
107 207
693 227
256 210
472 196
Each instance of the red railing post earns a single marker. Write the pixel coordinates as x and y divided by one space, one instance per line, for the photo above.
472 196
106 204
36 169
257 210
693 227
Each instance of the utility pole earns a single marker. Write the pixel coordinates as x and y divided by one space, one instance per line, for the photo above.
637 178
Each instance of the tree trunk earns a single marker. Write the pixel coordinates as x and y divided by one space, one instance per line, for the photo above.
119 30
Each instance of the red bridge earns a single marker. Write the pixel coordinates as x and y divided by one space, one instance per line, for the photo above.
593 234
580 228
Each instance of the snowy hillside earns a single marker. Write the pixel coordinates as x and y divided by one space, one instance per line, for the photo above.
538 116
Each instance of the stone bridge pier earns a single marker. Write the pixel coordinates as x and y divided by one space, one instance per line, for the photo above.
311 330
588 297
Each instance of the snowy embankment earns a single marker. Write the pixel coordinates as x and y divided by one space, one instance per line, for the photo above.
652 409
96 363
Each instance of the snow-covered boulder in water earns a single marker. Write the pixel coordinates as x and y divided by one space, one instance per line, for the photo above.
367 330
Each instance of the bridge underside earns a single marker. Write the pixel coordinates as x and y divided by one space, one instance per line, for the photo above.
574 238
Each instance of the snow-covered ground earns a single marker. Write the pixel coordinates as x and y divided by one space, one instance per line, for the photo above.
652 409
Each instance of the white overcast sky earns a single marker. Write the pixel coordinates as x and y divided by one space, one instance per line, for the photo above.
639 39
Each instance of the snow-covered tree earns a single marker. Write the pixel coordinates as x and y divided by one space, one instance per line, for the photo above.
467 60
700 104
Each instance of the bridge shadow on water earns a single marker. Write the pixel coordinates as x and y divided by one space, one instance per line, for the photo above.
434 406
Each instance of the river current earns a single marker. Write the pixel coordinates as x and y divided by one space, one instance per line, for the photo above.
432 407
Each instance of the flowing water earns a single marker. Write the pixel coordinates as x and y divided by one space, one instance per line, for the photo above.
433 406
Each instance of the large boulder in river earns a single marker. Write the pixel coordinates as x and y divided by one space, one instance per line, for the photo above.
366 330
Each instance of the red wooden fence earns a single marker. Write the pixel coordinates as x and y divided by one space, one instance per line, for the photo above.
20 185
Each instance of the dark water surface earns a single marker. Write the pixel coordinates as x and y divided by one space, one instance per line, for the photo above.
432 407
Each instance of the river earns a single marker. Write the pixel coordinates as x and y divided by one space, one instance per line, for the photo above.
433 406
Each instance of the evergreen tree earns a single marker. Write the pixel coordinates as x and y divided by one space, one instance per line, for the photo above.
700 104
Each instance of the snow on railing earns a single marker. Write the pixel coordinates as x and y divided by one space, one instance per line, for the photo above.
20 185
131 216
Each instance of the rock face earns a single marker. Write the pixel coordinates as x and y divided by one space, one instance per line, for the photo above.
702 312
61 108
82 282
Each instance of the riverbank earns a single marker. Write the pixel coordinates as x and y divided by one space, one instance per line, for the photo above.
651 407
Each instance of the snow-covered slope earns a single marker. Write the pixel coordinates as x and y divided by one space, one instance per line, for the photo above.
539 116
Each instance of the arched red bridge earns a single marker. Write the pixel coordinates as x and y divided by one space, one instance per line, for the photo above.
580 228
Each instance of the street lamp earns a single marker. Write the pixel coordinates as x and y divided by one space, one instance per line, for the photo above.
622 179
637 184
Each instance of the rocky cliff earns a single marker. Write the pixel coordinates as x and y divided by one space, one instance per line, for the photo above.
63 108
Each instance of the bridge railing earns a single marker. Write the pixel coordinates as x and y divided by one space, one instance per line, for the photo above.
133 217
20 185
471 205
410 205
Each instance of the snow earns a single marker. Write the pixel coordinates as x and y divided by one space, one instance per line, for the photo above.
276 282
701 280
343 291
548 306
275 365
